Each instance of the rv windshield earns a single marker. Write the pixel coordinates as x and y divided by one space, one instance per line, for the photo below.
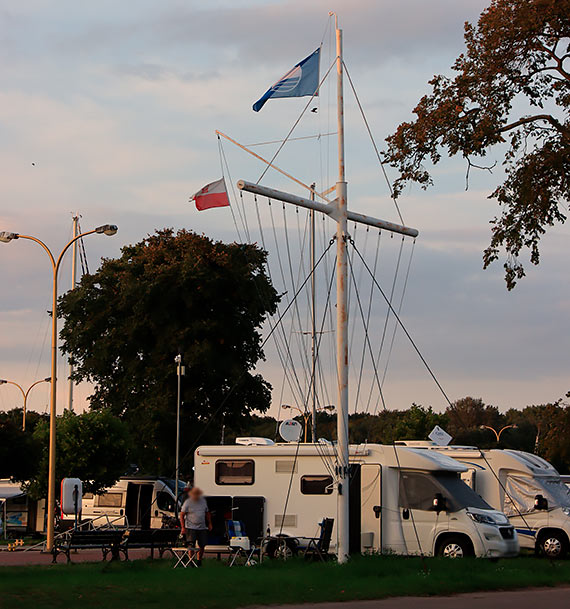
558 491
418 489
170 483
458 493
520 493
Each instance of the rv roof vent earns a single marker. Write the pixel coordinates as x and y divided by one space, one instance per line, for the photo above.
250 441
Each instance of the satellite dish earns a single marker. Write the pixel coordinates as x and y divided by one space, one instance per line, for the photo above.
290 430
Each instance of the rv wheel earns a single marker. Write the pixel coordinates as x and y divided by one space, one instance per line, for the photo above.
454 547
552 545
281 549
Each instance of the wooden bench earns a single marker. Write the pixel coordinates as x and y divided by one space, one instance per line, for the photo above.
152 539
106 540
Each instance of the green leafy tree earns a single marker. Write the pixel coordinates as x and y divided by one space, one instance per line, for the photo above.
93 446
512 87
19 450
172 293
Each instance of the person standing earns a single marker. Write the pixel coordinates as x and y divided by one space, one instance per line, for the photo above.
195 522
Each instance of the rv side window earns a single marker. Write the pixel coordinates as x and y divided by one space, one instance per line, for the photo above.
417 491
316 485
110 500
235 471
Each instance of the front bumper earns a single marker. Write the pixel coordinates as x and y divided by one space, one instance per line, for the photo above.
500 542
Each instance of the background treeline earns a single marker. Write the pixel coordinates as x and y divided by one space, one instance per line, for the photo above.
543 429
98 446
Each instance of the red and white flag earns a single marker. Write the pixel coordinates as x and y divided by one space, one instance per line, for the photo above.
212 195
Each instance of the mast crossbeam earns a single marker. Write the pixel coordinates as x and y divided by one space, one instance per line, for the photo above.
330 209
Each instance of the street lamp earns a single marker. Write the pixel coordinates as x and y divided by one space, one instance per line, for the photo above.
180 372
498 433
306 415
7 237
25 394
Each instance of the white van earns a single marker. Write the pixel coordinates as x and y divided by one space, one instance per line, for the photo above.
407 502
144 502
525 487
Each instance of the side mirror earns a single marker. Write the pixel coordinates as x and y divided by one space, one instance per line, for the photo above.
439 503
540 503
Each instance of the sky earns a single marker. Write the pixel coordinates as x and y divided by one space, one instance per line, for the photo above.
109 110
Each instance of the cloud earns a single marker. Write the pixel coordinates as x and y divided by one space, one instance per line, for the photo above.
117 109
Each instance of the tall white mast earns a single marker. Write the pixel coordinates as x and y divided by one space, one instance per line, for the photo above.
337 210
313 327
341 320
73 284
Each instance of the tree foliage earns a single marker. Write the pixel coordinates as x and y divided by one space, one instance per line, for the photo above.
172 293
512 87
93 446
19 450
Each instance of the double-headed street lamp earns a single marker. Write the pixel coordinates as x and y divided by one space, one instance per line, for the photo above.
6 237
307 415
498 433
25 394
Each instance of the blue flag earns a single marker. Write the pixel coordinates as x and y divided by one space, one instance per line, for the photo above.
301 81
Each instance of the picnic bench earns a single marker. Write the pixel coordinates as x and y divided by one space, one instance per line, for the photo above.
153 539
106 540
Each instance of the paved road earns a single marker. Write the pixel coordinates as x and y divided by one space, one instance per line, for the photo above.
551 598
11 559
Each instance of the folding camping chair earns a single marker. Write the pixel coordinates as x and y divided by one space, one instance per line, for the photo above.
318 547
239 544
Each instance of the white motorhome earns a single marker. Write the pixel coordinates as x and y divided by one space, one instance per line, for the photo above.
525 487
401 500
139 501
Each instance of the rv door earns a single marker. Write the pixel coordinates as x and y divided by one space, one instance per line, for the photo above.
418 495
371 508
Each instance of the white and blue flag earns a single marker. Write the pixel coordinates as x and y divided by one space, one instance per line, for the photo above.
301 81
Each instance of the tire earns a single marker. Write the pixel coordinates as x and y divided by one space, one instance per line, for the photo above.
553 544
282 549
455 546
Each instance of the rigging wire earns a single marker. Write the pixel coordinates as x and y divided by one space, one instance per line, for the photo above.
263 343
375 368
367 324
401 324
392 194
295 124
399 310
385 328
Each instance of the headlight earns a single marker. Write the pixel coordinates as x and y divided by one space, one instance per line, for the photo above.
482 518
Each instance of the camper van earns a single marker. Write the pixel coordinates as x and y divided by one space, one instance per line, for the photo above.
20 515
140 501
525 487
401 500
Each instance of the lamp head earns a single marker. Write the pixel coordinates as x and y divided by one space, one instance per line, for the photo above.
285 406
6 237
3 382
107 229
47 379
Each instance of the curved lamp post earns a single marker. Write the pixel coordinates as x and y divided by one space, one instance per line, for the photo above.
25 394
306 415
498 433
6 237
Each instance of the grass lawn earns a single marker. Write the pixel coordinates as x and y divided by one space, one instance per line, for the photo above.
155 584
